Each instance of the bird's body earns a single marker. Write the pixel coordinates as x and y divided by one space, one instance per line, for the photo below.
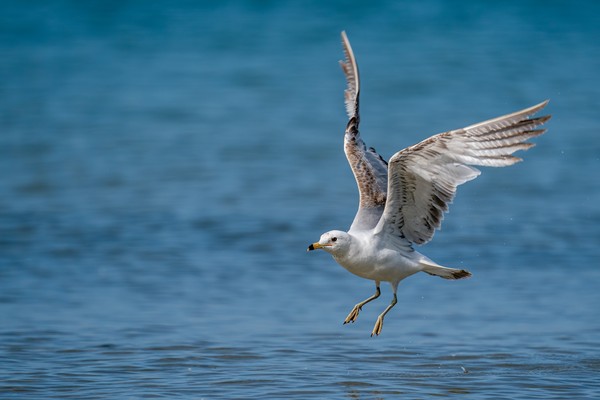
402 202
371 258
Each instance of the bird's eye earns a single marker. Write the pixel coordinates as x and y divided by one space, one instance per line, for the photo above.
334 239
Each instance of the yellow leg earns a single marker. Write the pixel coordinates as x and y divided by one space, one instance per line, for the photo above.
354 313
379 322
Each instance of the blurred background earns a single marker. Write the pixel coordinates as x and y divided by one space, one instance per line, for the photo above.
164 165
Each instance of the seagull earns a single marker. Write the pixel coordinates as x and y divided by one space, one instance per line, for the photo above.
402 202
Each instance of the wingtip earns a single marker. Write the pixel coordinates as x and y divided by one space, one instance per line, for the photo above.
536 108
345 40
544 103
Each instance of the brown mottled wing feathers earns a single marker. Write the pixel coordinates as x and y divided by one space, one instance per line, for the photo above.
423 178
369 168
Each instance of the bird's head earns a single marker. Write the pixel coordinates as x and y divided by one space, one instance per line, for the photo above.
332 242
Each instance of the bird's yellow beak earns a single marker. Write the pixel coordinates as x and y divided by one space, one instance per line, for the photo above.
316 246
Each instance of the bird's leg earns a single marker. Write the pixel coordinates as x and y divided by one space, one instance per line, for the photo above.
379 323
354 313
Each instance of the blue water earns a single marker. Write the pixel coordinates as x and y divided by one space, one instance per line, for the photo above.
164 165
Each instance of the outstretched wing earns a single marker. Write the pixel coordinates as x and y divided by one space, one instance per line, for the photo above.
424 177
369 168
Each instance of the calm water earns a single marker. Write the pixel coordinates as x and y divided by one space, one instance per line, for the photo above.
164 166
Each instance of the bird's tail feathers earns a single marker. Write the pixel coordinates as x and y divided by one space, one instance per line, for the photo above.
444 272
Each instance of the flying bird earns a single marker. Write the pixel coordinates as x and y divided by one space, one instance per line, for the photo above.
402 202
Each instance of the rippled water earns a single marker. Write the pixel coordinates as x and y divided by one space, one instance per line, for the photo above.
164 166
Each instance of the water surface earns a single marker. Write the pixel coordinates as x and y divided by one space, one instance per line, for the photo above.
165 165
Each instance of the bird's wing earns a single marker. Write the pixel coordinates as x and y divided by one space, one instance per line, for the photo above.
423 178
369 168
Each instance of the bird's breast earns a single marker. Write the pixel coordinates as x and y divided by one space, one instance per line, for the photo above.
378 264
